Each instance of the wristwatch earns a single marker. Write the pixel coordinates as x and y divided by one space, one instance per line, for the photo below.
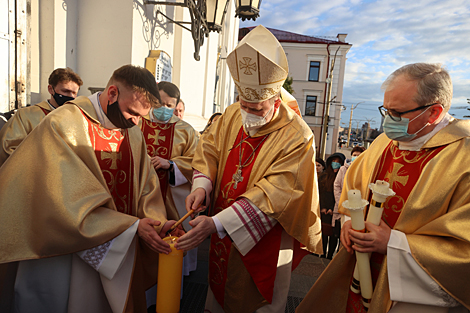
171 165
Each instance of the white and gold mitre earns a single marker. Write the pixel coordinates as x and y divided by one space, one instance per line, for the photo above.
258 65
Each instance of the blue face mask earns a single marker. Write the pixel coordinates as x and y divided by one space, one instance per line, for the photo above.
335 165
398 130
163 113
353 158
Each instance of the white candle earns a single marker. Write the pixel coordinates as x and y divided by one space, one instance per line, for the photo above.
354 199
380 193
355 204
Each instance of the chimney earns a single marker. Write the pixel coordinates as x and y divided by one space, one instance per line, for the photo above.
341 37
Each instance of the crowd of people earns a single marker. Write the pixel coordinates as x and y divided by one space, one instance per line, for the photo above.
89 187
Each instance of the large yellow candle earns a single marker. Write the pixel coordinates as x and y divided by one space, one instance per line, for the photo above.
170 270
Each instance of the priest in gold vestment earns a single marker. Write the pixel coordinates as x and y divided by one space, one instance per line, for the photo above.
171 143
80 205
63 86
421 249
258 163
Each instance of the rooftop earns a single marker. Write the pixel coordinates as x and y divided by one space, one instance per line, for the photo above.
285 36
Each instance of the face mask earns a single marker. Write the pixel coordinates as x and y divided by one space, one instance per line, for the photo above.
335 165
398 130
61 99
163 113
115 116
253 122
353 158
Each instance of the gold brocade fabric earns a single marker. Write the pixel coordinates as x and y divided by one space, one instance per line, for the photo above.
19 126
54 199
435 219
283 181
184 145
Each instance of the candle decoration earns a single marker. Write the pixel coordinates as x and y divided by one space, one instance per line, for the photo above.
355 204
170 271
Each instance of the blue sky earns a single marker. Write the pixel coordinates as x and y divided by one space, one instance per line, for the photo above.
385 35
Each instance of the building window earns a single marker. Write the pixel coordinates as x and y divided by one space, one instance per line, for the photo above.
314 72
310 105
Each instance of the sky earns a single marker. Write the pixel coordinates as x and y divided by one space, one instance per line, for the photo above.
385 35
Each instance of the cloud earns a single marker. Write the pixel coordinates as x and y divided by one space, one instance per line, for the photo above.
385 35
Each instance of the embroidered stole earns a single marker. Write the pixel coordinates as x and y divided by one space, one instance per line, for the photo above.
261 269
114 155
401 169
159 140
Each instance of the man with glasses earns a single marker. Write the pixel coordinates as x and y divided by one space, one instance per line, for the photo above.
420 251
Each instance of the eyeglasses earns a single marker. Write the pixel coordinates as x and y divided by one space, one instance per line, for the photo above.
383 111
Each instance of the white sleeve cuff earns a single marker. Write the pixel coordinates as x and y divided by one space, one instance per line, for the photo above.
245 223
202 181
220 228
108 257
179 177
408 282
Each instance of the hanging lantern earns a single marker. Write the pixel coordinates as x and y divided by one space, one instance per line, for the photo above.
247 9
215 14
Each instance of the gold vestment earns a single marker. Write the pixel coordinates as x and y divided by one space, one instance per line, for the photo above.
185 139
54 199
282 184
19 126
435 219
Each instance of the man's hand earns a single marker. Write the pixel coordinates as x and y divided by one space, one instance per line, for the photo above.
203 226
330 212
146 231
376 240
177 232
195 201
344 237
160 163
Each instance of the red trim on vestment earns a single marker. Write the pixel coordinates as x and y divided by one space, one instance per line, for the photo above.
159 140
114 155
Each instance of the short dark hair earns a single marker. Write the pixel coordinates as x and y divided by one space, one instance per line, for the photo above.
171 89
64 75
138 79
358 149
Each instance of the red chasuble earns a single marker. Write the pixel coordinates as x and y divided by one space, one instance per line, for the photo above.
159 141
401 169
114 155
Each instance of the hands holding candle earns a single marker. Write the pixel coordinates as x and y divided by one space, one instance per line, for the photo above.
146 231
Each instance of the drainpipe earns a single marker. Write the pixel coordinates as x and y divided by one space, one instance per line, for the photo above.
322 155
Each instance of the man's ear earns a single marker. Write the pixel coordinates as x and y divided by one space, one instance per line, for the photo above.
50 89
436 111
113 93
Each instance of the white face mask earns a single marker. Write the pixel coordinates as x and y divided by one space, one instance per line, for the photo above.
252 122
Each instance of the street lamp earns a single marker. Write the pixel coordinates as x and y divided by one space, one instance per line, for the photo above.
247 9
206 16
216 10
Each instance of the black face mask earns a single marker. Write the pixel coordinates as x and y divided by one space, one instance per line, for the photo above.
115 116
61 99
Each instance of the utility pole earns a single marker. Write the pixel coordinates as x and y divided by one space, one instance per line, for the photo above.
350 121
326 119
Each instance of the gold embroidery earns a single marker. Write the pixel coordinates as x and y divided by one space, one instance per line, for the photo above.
220 263
397 176
156 137
247 66
112 155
